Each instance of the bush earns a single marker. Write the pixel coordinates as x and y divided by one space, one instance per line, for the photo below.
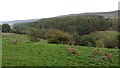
34 34
108 42
107 39
99 43
72 50
42 33
15 40
57 36
86 40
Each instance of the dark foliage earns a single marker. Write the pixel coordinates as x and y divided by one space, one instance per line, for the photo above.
6 28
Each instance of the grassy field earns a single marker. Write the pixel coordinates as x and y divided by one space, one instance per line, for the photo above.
0 49
18 51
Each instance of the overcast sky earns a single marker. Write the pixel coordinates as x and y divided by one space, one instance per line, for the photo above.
31 9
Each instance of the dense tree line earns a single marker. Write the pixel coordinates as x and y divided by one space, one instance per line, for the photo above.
114 23
79 28
77 24
73 24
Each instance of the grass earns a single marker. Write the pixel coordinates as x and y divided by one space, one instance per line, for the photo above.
25 53
0 49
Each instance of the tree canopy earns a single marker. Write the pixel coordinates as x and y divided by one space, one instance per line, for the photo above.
6 28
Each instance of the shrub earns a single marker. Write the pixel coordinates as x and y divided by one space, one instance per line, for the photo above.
57 36
107 39
78 40
15 40
87 40
118 38
34 34
42 33
72 51
110 42
99 43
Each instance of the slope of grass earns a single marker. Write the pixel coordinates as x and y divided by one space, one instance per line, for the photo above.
18 51
0 49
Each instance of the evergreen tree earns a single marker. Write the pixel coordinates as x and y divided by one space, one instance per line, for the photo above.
6 28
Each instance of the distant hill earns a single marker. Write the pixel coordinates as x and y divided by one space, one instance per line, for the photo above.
104 14
18 21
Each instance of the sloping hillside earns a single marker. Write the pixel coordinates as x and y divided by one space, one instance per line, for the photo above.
18 51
